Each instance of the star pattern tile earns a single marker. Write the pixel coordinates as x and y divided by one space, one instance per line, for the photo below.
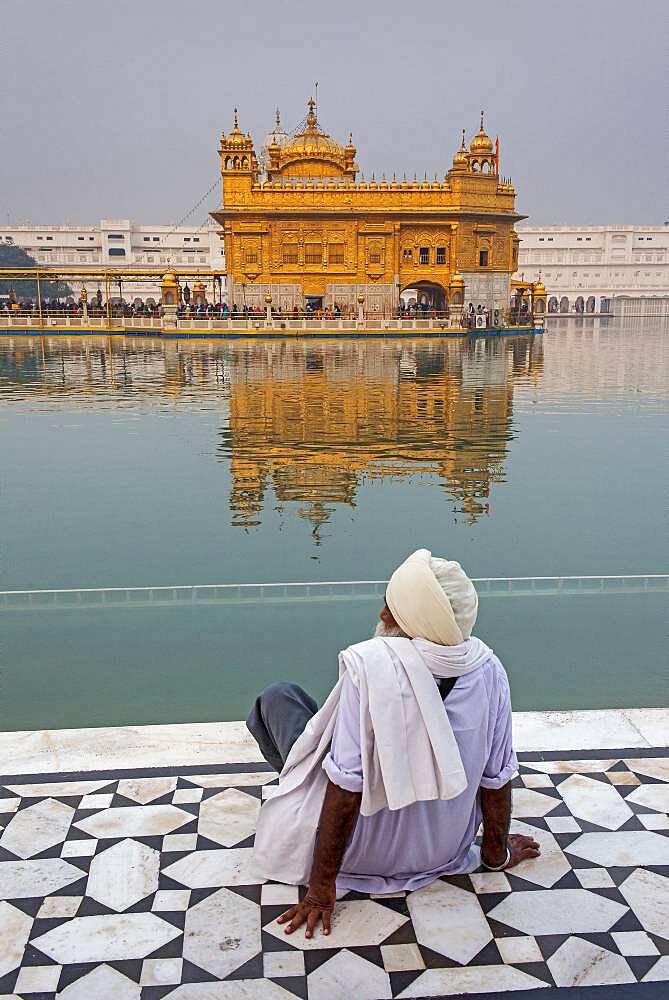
141 886
140 865
105 938
648 895
594 801
37 828
580 963
558 911
228 817
449 920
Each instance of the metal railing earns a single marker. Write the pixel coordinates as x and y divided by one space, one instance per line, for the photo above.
317 592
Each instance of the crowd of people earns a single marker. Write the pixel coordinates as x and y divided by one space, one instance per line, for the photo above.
518 314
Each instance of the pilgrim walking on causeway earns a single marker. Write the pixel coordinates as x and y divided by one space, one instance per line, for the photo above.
384 788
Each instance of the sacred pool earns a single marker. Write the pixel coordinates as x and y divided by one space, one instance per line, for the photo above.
143 477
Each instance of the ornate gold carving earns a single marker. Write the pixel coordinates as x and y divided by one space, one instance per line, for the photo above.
350 233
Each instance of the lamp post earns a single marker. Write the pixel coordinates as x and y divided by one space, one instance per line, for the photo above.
268 309
39 301
84 303
361 314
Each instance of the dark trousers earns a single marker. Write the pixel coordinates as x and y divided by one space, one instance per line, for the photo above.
278 717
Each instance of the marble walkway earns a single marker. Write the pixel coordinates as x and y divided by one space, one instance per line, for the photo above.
130 879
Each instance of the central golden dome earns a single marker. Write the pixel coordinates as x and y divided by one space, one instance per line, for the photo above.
313 153
312 143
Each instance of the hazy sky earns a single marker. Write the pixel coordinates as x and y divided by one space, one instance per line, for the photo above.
114 109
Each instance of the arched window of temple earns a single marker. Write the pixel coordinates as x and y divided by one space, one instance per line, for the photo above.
564 304
552 304
235 163
475 166
485 167
245 162
579 305
590 304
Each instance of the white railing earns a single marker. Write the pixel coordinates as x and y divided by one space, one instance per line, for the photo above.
316 592
252 325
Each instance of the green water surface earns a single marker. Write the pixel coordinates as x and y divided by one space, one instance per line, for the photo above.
137 462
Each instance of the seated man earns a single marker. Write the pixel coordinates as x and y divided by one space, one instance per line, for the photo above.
385 787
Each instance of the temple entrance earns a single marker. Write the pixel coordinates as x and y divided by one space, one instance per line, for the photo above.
424 297
313 303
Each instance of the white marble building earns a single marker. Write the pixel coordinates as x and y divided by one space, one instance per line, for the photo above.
592 269
121 243
599 269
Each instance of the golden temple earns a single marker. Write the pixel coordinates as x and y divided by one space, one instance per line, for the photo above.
301 230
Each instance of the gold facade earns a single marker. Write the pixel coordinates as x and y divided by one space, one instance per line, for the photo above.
303 227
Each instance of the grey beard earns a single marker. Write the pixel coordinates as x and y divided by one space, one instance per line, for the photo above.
389 631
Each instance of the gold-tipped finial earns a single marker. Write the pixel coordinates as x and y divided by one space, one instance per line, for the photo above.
311 117
235 123
481 143
278 119
464 144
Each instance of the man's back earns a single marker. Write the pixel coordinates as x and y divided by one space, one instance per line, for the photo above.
407 848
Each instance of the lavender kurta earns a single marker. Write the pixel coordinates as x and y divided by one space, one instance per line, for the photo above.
411 847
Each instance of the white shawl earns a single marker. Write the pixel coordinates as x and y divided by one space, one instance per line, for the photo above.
409 752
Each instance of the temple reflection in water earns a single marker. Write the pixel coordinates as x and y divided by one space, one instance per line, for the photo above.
307 422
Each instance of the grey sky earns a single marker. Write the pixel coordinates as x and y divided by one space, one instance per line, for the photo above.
115 109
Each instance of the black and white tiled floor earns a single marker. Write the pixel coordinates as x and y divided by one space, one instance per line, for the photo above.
136 886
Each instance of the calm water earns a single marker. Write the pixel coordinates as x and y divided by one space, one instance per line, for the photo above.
132 462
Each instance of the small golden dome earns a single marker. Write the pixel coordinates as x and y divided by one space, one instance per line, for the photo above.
169 278
461 158
539 287
481 143
238 139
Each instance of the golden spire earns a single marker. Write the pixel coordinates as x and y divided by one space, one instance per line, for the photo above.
311 117
461 160
237 138
278 119
481 143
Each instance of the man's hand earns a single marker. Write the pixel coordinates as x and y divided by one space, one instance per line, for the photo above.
496 809
318 904
521 848
339 815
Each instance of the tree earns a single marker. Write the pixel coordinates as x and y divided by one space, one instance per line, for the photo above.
12 256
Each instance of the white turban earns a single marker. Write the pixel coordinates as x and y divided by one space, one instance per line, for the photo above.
432 599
